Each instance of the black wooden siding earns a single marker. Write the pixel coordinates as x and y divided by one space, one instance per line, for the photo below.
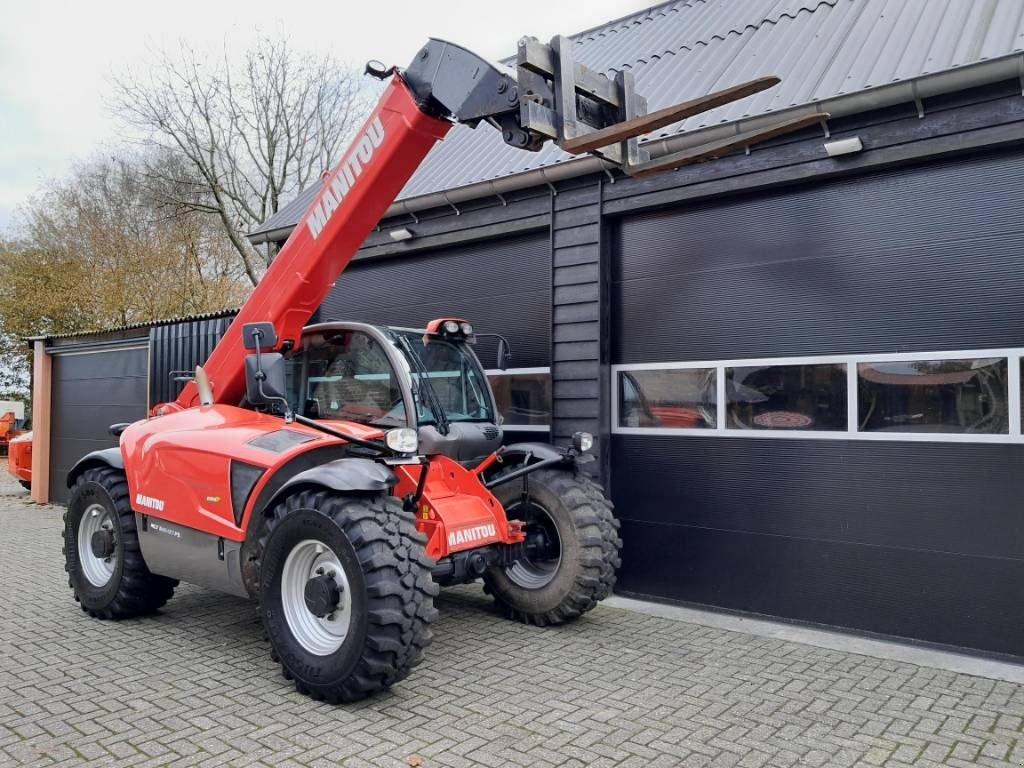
578 313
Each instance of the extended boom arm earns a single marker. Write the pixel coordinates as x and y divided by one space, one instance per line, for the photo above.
548 98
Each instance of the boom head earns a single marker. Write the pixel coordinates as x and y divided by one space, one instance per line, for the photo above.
551 97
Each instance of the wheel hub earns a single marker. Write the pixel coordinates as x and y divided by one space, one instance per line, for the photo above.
97 545
322 594
543 551
315 596
102 543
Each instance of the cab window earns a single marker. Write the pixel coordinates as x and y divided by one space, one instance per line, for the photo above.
345 375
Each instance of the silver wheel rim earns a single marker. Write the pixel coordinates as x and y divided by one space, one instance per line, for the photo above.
320 636
97 570
530 574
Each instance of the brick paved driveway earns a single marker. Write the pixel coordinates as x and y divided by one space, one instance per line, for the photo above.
195 686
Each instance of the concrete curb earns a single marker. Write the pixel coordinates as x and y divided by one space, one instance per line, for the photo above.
949 661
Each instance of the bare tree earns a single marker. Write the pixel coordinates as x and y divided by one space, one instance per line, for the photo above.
253 133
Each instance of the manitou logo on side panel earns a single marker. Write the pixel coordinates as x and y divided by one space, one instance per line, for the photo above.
469 535
336 189
149 502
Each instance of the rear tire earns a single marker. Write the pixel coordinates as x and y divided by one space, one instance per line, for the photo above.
120 585
572 508
25 484
373 629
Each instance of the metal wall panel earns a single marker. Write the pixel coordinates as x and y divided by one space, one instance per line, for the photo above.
922 540
90 391
913 259
501 286
178 348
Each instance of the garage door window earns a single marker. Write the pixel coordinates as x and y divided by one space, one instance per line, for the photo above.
967 396
957 396
523 397
680 398
787 397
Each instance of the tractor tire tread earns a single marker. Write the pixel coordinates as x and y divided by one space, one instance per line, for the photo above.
139 592
399 588
598 541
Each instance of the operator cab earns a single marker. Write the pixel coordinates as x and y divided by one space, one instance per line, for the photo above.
428 379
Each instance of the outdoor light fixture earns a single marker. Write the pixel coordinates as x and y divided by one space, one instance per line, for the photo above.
400 234
843 146
582 441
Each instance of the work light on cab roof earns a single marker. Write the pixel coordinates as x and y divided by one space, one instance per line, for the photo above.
450 327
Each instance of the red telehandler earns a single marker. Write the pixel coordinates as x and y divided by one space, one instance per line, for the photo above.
339 473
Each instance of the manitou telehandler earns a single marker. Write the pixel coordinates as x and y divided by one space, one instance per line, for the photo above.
340 473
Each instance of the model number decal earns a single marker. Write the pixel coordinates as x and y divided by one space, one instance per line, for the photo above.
468 535
164 529
340 184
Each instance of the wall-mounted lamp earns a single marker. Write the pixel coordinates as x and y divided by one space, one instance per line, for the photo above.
400 234
843 146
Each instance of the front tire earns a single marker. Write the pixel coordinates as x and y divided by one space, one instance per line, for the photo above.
346 593
571 514
102 555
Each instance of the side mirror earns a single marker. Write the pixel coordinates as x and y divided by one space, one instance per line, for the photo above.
265 379
259 336
504 353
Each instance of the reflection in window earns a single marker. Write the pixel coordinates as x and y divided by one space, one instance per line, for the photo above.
787 397
669 398
958 396
524 399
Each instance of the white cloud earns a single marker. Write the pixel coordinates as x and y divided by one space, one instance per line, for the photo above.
56 57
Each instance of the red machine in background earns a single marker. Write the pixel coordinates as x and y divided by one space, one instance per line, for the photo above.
19 459
8 429
341 472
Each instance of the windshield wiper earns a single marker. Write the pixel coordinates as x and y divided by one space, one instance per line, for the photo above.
440 417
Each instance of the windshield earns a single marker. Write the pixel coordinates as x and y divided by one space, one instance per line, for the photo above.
456 384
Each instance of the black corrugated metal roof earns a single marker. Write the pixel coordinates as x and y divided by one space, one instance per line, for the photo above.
137 326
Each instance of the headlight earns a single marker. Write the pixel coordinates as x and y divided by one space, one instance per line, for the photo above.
466 329
451 327
402 440
583 441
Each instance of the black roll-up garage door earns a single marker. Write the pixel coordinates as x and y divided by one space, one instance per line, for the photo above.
92 389
916 538
501 286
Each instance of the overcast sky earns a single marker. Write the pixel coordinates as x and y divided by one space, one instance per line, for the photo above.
56 57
